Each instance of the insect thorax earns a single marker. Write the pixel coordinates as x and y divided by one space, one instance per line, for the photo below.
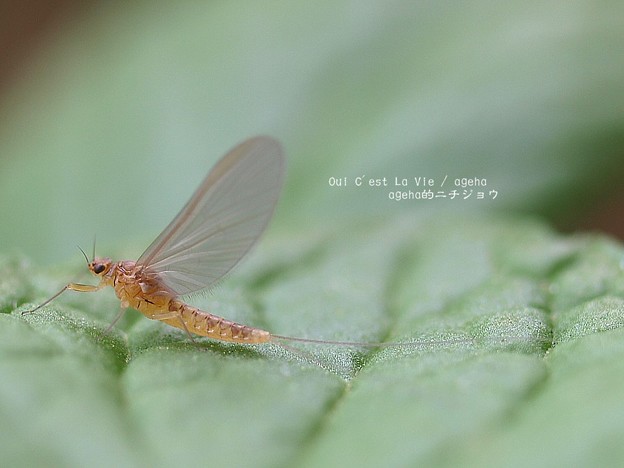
137 289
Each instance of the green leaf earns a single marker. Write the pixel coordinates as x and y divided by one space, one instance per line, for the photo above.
506 353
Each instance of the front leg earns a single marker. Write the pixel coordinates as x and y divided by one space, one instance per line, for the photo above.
72 286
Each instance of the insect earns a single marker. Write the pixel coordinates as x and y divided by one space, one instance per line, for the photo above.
221 222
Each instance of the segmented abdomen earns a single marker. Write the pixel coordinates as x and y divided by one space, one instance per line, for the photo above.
203 323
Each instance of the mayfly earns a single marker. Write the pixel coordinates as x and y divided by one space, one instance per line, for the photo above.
221 222
216 228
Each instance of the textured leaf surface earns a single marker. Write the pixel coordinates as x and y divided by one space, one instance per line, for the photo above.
514 358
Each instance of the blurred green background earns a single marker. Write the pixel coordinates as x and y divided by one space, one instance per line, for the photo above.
111 113
122 109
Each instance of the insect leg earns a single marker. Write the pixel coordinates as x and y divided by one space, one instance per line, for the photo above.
164 315
187 330
72 286
121 313
173 314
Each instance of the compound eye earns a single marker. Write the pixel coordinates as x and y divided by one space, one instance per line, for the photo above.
99 268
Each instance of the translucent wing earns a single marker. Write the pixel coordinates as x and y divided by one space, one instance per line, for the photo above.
223 219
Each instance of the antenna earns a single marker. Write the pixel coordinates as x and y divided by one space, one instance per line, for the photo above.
83 253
